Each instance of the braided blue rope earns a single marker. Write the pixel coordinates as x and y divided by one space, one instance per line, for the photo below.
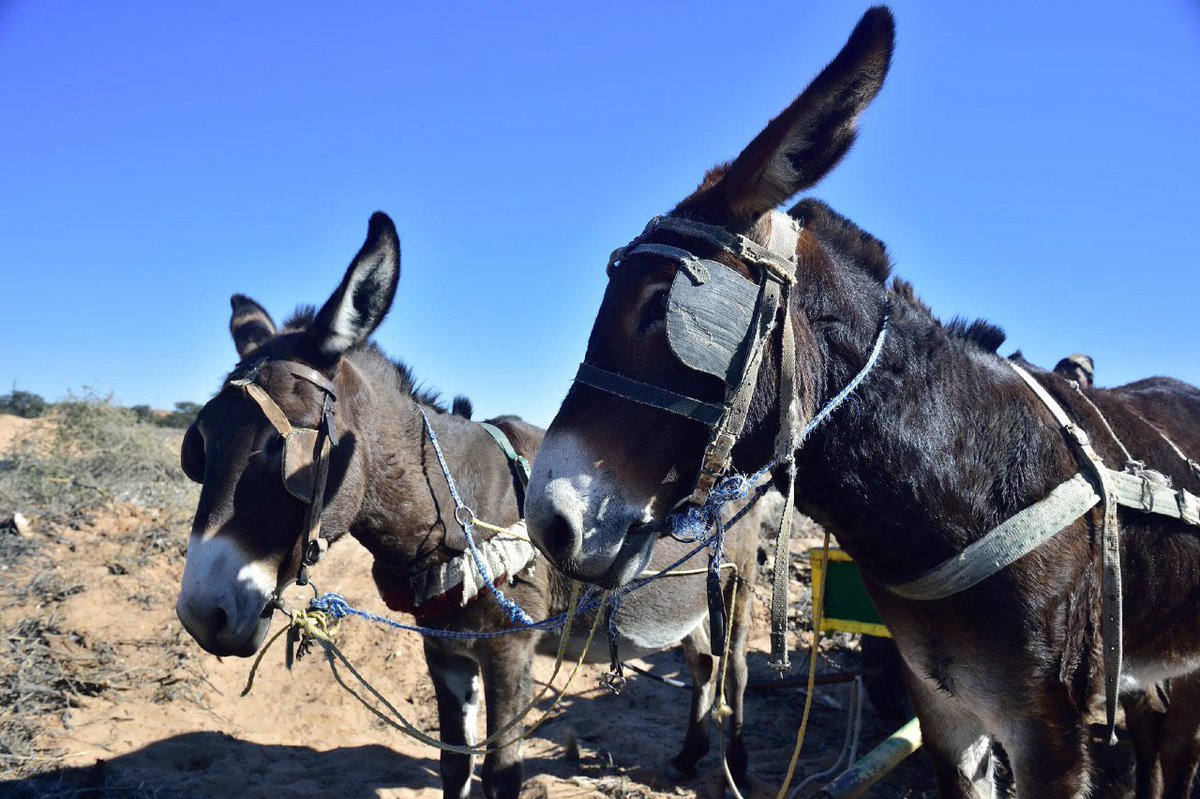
336 606
836 401
694 523
515 613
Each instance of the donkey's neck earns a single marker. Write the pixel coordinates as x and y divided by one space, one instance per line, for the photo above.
406 517
939 444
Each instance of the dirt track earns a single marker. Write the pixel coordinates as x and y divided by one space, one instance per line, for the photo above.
160 717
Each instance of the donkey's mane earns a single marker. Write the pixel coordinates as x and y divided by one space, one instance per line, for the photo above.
870 254
378 365
979 332
858 245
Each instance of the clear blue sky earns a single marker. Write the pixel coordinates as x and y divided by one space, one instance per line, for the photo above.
1033 163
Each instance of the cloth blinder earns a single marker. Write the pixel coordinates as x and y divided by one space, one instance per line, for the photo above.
299 457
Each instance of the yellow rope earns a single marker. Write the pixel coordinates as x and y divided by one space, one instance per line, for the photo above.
312 623
315 625
508 532
812 676
683 572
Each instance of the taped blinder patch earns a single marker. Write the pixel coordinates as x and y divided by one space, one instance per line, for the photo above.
708 322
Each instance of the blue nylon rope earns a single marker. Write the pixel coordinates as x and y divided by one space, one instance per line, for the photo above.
515 613
338 608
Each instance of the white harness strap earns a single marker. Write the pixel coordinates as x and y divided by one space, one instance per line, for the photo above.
1006 543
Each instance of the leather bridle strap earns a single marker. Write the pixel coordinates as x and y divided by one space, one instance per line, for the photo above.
707 413
313 545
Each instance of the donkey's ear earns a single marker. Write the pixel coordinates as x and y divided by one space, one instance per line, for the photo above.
358 306
805 142
249 324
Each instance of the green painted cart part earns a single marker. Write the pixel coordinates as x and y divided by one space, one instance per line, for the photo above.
845 606
874 765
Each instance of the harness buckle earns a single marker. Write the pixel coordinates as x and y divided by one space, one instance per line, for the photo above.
613 682
716 457
465 516
315 550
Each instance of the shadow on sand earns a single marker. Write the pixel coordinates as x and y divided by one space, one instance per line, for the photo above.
213 764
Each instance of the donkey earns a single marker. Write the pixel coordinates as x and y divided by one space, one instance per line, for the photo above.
1164 719
385 488
942 441
1077 367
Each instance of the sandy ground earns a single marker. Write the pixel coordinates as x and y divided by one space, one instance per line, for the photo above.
159 717
12 428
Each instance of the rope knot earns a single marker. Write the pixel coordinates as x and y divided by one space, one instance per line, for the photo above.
691 525
333 605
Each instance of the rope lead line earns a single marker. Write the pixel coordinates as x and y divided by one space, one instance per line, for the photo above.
812 678
320 627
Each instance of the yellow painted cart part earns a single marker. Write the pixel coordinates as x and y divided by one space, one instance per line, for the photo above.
820 589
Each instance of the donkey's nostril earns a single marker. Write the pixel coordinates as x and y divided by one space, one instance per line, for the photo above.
217 620
559 540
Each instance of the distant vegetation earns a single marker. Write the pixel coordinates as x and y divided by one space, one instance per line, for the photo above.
28 405
91 454
25 404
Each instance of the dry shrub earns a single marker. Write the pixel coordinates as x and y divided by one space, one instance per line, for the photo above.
91 454
88 456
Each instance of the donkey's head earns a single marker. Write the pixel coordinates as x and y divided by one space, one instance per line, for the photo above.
676 328
256 448
1079 368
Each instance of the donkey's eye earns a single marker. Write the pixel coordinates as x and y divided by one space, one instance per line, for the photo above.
656 311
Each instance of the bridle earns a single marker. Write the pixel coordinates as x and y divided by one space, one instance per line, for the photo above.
305 464
729 348
710 331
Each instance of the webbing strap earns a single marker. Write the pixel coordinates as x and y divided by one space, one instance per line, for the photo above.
655 396
786 442
517 462
521 462
1111 621
1006 543
1150 492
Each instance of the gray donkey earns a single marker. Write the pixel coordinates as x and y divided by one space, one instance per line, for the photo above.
384 486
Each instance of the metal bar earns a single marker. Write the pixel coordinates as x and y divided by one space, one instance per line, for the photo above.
874 765
802 680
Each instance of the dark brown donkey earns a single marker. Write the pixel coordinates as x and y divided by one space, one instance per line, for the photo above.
386 489
1164 719
941 442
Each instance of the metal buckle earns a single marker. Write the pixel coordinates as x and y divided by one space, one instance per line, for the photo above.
315 550
613 683
716 456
